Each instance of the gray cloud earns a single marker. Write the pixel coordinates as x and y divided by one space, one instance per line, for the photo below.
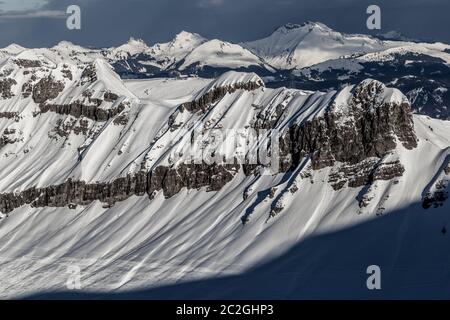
52 14
112 22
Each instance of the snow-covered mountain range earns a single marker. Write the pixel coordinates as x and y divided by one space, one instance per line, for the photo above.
308 56
142 183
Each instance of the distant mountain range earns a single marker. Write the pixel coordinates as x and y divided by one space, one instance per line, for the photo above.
309 56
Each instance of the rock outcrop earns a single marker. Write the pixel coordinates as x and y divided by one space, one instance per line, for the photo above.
5 88
77 109
47 89
209 98
438 191
356 137
168 180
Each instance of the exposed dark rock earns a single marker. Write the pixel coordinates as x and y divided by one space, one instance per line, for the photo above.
9 115
82 127
77 109
89 75
121 119
438 196
7 72
272 192
8 137
190 176
435 199
355 175
388 170
65 127
424 79
438 192
372 133
5 88
275 210
76 193
27 89
169 180
47 89
110 97
25 63
205 101
293 189
359 143
67 74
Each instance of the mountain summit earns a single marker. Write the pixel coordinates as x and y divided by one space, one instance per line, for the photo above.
298 46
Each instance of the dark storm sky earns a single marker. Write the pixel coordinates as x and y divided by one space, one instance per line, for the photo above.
36 23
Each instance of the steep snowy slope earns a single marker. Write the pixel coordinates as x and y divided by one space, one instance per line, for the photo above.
42 105
118 195
177 49
12 49
217 53
131 48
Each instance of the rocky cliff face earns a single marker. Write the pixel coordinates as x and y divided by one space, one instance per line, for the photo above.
206 100
438 191
356 136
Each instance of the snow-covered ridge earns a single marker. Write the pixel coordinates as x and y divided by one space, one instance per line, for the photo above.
167 54
132 47
242 102
299 46
231 79
217 53
374 90
291 46
242 220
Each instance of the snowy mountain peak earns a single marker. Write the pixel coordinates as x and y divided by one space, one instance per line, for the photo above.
132 47
136 42
299 46
65 43
69 46
13 49
220 54
308 25
288 27
185 36
376 89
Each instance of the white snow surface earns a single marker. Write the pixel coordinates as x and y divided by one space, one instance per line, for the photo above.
141 243
298 46
220 54
177 49
291 46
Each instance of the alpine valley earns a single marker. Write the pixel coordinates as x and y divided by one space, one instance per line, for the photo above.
89 180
